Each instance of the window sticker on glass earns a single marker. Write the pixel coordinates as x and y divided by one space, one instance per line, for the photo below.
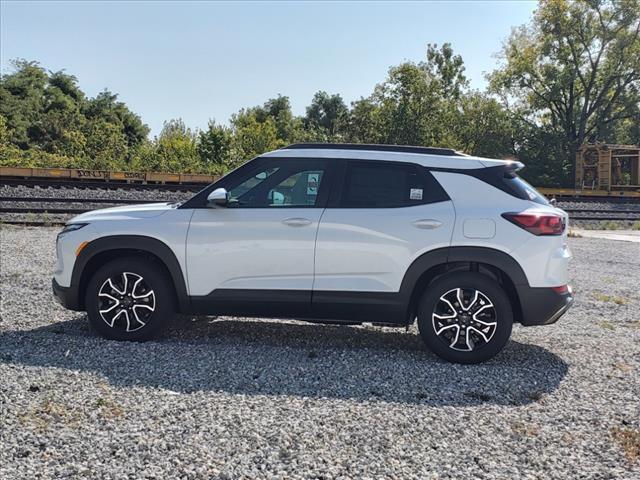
312 183
415 194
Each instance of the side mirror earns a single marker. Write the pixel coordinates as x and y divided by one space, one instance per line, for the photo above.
219 196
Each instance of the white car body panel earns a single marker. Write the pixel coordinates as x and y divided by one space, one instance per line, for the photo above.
160 221
362 249
251 248
544 259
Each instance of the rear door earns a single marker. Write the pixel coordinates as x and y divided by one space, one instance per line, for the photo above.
385 215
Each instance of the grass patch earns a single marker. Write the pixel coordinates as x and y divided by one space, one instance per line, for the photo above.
607 325
623 367
628 439
603 297
49 414
108 408
525 429
611 225
573 234
635 226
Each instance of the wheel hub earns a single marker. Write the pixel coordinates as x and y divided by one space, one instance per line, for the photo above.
465 319
126 302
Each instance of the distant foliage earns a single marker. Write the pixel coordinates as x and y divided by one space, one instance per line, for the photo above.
571 75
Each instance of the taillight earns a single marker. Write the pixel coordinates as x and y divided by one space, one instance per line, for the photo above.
537 223
562 289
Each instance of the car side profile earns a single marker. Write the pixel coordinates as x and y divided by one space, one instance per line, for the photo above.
333 233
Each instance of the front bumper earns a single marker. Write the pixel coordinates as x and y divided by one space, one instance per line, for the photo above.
542 306
65 296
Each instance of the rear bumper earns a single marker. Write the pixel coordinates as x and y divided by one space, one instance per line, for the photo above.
65 296
542 306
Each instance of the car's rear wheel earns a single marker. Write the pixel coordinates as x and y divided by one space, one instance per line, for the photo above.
129 299
465 317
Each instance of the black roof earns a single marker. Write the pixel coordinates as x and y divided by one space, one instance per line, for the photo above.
374 147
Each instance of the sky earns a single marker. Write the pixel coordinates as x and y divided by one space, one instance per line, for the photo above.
206 60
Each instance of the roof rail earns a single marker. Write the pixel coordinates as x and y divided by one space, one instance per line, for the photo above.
375 147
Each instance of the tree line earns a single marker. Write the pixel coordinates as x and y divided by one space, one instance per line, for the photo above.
571 75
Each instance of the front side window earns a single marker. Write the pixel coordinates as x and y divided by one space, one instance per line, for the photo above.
383 185
250 183
294 184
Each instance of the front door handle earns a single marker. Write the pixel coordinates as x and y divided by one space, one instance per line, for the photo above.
427 223
296 222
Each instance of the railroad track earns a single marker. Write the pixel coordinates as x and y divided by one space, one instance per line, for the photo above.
94 185
121 201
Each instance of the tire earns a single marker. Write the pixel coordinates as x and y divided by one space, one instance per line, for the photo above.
471 331
138 310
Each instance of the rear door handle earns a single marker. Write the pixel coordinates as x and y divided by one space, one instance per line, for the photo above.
427 223
296 221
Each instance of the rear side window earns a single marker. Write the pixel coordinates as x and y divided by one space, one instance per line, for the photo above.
388 185
523 190
505 179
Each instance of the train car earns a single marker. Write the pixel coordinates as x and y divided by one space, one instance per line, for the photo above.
608 168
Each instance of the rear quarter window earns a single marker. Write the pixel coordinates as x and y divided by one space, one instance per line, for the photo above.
523 190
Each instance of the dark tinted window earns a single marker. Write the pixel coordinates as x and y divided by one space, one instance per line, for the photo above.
385 185
506 179
524 190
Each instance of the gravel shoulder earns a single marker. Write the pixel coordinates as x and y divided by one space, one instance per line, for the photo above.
243 398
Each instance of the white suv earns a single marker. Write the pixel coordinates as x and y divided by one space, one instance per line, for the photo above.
332 233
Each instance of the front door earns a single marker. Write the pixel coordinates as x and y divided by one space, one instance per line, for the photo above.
260 248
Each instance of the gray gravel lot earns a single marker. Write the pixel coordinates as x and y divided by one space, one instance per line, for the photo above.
150 195
263 399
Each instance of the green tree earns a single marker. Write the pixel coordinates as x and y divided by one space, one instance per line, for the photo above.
483 127
575 70
22 99
252 138
47 113
328 113
174 150
214 147
106 106
447 69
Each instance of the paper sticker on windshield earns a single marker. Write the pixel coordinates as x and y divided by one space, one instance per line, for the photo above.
415 194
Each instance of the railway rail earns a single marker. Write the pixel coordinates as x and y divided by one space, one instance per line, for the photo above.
93 185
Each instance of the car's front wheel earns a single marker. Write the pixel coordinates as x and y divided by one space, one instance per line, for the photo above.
129 299
465 317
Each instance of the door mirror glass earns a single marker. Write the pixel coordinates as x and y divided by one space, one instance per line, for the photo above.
219 196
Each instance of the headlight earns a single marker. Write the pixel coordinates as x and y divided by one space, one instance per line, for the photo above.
72 227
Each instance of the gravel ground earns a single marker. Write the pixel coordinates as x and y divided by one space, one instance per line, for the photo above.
632 207
84 193
120 193
248 399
